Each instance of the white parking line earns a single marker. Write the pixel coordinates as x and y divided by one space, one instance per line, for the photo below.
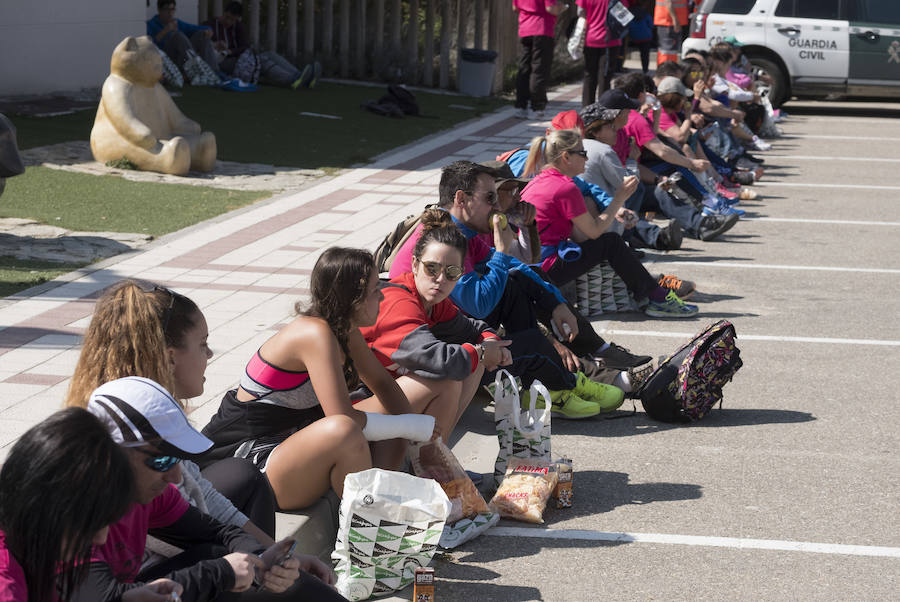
813 185
797 220
757 337
772 266
694 540
823 137
817 158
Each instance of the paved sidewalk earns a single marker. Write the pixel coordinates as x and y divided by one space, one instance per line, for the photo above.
245 269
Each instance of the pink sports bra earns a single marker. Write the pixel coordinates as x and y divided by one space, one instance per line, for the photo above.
271 384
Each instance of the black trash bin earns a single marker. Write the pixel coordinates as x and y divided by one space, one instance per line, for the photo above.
476 71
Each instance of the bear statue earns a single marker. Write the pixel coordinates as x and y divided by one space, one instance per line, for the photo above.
138 120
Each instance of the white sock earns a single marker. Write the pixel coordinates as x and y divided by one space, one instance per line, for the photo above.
623 382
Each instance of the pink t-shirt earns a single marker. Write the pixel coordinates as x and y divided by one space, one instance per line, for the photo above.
534 20
639 128
622 146
595 12
12 578
668 118
124 548
558 201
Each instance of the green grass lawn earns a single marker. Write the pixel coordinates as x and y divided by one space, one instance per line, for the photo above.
266 126
19 274
89 203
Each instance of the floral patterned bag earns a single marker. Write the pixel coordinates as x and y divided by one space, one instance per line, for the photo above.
687 384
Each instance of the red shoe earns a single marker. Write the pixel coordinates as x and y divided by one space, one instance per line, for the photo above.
724 192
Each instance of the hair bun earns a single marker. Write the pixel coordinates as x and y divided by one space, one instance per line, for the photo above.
433 218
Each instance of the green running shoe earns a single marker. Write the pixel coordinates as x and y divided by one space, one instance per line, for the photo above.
564 404
607 397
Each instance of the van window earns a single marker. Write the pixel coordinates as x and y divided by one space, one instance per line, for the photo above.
809 9
875 11
817 9
728 7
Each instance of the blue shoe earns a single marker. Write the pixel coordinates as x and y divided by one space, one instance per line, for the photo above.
305 75
721 208
672 307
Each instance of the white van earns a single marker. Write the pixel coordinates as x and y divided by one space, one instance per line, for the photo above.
810 47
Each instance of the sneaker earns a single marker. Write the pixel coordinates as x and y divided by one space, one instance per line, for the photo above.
305 74
761 145
672 307
725 192
682 288
722 209
617 357
316 74
607 396
748 195
713 225
521 114
638 376
752 158
564 404
670 237
743 178
729 183
538 113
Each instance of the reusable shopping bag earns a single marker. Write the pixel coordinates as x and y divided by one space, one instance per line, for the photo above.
389 525
198 71
171 75
521 434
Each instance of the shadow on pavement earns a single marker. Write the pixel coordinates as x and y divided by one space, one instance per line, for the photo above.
598 491
639 423
14 337
857 110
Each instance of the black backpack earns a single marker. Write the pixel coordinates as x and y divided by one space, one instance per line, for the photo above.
398 102
687 384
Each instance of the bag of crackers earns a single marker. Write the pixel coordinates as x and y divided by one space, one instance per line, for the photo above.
525 489
434 460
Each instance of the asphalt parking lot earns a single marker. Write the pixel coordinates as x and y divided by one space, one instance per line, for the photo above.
789 492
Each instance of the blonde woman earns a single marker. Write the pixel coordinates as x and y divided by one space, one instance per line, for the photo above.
573 240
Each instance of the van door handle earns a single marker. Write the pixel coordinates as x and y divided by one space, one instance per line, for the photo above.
869 35
791 31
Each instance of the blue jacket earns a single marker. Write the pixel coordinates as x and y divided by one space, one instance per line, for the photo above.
154 26
478 292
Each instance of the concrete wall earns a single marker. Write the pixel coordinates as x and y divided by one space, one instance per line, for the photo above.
57 45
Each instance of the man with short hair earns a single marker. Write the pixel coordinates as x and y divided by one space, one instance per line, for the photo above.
176 37
220 562
500 289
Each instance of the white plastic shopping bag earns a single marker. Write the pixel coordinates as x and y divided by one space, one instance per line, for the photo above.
520 434
575 45
390 524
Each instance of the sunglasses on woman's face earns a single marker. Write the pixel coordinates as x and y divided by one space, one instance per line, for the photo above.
581 153
451 272
157 462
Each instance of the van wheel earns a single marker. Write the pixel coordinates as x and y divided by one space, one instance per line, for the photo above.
776 86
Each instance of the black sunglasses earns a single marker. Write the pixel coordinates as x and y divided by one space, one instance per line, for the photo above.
580 153
157 462
150 287
433 268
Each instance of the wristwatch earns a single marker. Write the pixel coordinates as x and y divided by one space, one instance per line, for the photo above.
480 349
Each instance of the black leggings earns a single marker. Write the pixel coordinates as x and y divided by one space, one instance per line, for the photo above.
248 489
608 247
306 587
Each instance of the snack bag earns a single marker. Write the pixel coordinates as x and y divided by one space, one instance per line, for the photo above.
525 489
434 460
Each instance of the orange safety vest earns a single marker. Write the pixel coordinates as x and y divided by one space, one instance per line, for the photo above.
661 14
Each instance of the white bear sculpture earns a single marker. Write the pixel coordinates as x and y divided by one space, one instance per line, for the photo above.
138 120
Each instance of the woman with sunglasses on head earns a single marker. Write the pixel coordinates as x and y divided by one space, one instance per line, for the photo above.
292 413
423 339
64 482
141 329
574 240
